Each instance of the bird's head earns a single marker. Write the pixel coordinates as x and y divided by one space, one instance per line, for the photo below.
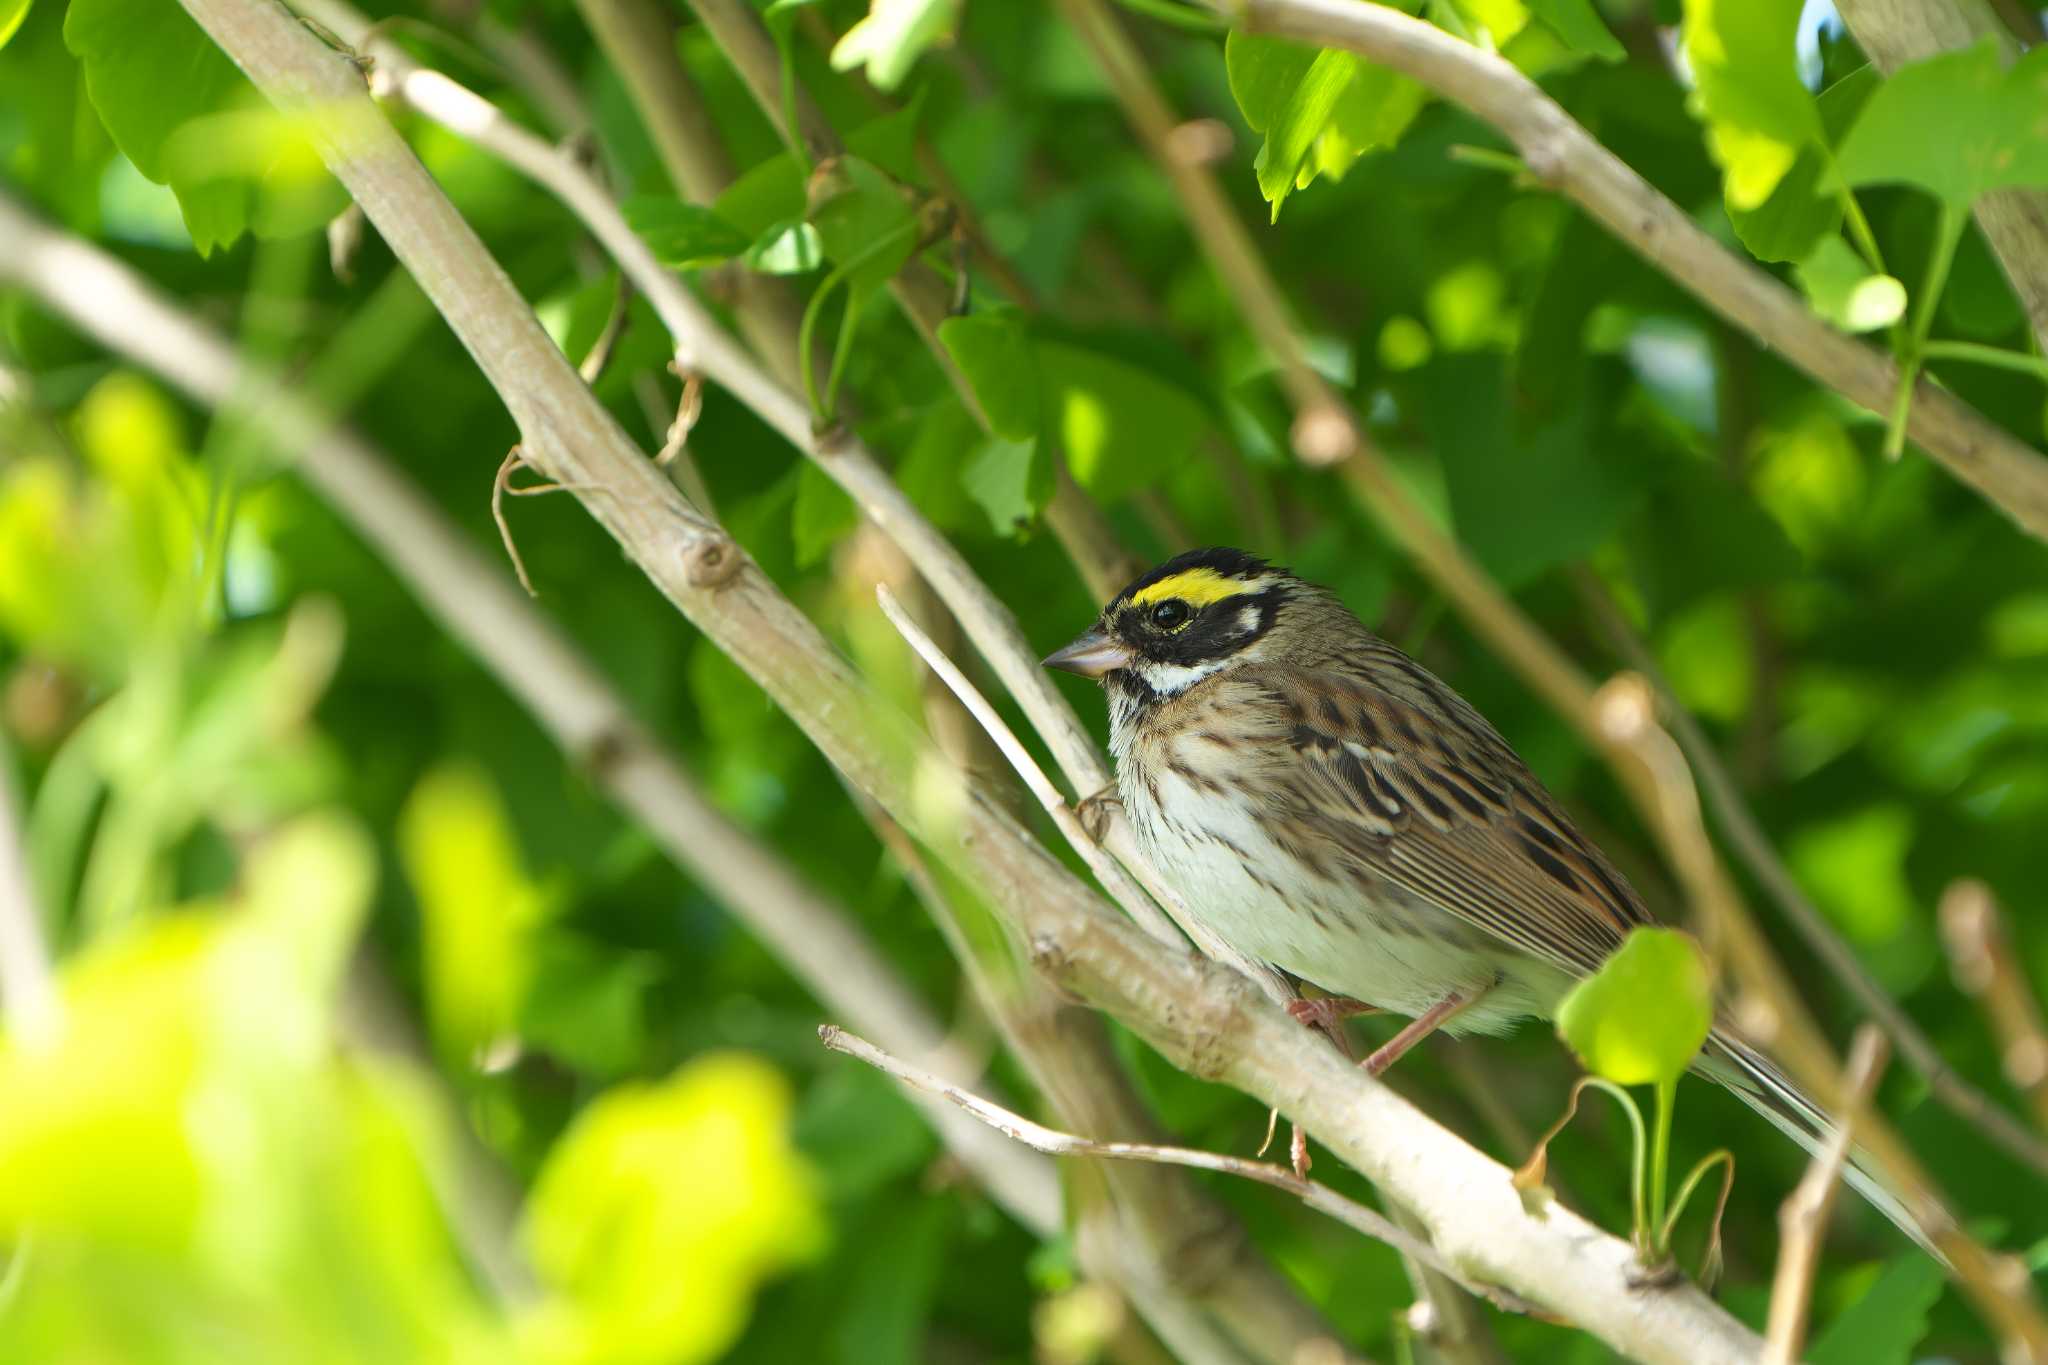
1193 616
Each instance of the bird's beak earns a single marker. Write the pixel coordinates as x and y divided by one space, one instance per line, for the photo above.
1093 655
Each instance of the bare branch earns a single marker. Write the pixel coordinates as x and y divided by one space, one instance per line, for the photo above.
1981 958
1052 1142
1563 155
1803 1218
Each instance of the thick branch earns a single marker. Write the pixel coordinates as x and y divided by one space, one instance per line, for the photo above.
1203 1015
1562 154
2015 222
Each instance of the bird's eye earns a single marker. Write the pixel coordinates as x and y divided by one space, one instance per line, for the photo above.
1170 613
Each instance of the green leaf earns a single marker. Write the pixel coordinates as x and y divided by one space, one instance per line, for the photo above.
1121 427
181 112
1956 125
12 12
1523 497
1580 25
995 353
1804 207
1844 290
1885 1324
893 35
790 247
823 514
931 474
587 1004
1642 1017
1747 88
863 216
479 910
1320 111
148 69
683 236
1011 480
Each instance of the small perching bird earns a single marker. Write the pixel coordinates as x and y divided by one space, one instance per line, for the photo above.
1327 805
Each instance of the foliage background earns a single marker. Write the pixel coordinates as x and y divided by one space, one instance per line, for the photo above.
274 814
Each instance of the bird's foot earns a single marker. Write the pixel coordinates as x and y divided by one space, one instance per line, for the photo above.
1325 1012
1095 810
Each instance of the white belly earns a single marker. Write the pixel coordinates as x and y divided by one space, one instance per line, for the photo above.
1372 943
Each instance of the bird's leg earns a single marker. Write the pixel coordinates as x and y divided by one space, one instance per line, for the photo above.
1325 1012
1418 1028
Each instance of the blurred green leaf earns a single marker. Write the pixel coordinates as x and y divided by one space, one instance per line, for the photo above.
662 1209
682 235
479 910
12 12
1957 125
586 1004
1642 1017
1012 481
1580 25
1747 89
1884 1325
995 354
821 516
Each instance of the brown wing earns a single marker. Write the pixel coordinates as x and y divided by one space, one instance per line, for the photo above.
1384 767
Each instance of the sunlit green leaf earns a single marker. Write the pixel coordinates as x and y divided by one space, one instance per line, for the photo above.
12 12
1319 111
893 35
1120 426
790 247
1805 207
1643 1016
1847 292
660 1211
1747 88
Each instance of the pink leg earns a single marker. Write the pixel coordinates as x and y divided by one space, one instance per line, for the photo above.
1428 1022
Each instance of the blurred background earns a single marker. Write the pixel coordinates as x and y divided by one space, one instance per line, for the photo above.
383 1035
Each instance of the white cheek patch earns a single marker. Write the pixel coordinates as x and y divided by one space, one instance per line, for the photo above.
1170 680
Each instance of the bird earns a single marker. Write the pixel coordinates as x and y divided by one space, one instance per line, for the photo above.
1328 806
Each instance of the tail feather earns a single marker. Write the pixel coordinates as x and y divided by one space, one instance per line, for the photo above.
1758 1082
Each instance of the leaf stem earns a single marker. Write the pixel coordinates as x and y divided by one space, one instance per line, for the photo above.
822 409
1660 1163
1976 353
1948 235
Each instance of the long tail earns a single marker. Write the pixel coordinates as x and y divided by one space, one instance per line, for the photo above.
1758 1082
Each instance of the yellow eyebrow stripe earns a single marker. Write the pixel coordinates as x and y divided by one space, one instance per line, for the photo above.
1196 587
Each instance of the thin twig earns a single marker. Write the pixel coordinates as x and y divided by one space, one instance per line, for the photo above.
1981 959
1754 847
1052 1142
1803 1217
